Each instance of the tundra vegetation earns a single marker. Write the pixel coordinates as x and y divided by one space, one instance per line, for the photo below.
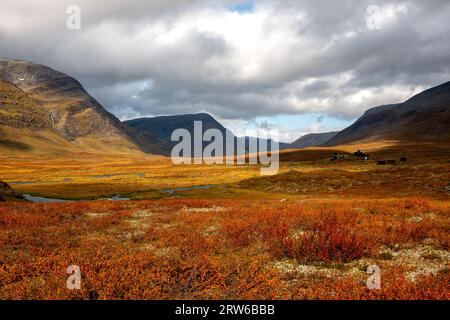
309 232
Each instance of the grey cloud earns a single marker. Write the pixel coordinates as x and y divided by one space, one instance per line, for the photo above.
316 86
324 57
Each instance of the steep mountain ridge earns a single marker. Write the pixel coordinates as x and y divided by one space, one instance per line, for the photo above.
70 110
424 117
74 112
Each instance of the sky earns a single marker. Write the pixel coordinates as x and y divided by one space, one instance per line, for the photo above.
291 65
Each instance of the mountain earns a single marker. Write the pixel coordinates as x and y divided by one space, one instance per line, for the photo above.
424 117
163 126
46 111
47 101
43 110
312 140
25 126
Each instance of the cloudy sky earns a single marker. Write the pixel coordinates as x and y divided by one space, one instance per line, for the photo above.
299 66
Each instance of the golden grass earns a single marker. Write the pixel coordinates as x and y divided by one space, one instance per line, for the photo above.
86 176
97 176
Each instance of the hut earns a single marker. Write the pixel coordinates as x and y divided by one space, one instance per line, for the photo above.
336 156
360 154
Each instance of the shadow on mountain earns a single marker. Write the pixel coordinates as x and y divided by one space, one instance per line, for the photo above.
17 145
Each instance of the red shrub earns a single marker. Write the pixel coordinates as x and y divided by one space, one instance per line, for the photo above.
334 237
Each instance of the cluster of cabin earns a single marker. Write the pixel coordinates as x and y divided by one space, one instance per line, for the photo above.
364 156
358 154
336 156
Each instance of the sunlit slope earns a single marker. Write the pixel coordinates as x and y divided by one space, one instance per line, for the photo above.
26 127
41 99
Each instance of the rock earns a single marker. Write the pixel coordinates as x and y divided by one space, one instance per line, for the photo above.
8 194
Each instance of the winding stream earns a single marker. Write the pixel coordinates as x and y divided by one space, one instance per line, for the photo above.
116 197
49 200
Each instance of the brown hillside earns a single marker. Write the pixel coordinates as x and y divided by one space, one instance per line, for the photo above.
74 112
39 97
424 117
19 111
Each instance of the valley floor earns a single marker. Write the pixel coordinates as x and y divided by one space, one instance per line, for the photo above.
309 232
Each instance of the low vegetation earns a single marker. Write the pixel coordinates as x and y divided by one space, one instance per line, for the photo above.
309 232
227 249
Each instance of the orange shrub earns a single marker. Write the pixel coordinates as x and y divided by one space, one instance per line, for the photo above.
335 236
211 249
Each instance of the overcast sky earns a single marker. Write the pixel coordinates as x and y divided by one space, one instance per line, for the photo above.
300 66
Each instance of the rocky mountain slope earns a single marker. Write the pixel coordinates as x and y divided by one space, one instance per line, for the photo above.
424 117
52 100
20 111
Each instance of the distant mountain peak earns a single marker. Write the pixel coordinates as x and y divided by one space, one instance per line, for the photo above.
312 140
163 126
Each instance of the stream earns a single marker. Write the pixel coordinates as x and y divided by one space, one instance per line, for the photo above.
172 191
113 198
48 200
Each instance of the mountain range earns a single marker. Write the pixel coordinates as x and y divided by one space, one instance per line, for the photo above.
163 126
46 111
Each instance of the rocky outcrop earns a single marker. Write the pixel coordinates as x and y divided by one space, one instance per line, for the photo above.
8 194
